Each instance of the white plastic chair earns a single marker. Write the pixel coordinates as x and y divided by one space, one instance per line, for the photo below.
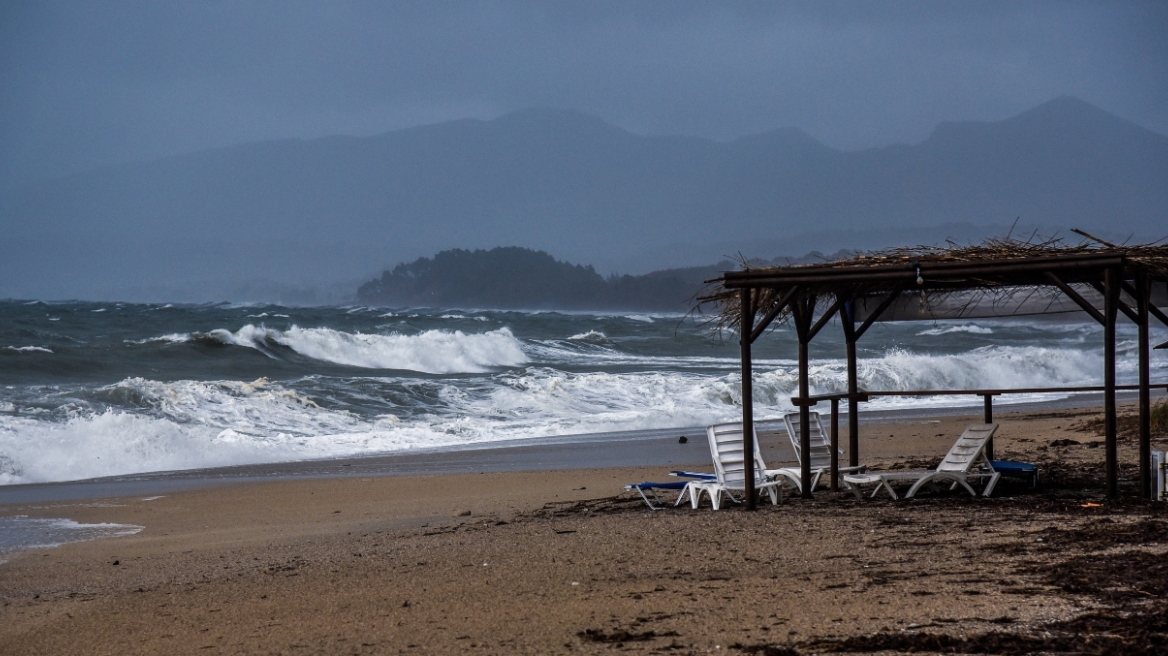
730 469
956 468
820 453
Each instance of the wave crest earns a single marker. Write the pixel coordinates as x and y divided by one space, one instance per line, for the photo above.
431 352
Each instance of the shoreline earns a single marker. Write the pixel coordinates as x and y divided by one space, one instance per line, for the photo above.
641 448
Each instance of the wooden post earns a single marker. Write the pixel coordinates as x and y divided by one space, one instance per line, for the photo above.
834 444
1142 301
804 307
746 328
1110 309
848 321
988 415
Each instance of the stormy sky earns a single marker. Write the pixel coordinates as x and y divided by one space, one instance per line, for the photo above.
84 84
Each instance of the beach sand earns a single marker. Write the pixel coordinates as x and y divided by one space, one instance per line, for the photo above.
565 562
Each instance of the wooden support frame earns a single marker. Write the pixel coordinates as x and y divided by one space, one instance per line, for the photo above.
758 330
1124 275
1074 296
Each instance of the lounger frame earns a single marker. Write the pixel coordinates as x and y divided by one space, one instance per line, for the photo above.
956 468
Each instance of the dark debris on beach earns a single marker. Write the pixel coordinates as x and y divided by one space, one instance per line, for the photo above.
1111 554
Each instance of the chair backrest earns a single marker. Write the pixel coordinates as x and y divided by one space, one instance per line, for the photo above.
820 441
968 449
726 451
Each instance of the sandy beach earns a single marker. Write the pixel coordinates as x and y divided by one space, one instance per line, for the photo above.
566 562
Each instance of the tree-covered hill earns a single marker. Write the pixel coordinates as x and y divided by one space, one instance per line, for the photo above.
520 278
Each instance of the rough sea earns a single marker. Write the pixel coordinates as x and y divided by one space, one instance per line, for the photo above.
101 389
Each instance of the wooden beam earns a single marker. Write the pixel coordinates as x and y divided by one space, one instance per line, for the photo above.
945 268
1152 309
803 309
835 445
988 417
747 395
1123 307
931 271
823 320
1110 298
847 320
1143 300
888 300
772 313
1074 296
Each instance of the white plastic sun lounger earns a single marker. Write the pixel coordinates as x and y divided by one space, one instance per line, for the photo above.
730 469
956 468
820 453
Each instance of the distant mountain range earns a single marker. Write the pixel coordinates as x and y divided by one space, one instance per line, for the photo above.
296 214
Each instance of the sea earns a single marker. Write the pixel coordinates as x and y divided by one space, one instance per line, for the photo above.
92 389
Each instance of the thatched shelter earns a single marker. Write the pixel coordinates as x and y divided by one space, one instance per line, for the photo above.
1000 277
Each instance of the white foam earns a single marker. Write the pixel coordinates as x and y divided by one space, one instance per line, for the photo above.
432 351
970 328
590 336
192 424
28 349
172 338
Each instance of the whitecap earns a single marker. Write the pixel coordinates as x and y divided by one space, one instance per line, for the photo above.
172 338
969 328
28 349
590 336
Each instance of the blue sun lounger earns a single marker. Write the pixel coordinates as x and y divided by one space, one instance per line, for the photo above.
701 476
652 487
1012 469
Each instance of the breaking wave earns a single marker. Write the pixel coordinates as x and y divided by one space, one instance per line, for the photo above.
141 425
431 352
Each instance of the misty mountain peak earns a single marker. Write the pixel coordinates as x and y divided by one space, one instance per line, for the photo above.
782 139
551 119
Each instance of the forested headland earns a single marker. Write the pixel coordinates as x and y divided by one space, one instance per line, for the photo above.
520 278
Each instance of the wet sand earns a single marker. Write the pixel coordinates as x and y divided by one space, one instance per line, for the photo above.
566 562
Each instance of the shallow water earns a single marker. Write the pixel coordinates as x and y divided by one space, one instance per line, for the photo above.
22 532
102 389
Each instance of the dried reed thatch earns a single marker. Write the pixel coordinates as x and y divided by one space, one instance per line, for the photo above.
937 270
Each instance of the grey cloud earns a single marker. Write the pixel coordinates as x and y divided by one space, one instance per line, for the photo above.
84 84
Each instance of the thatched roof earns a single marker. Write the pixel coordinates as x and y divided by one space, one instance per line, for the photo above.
993 272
